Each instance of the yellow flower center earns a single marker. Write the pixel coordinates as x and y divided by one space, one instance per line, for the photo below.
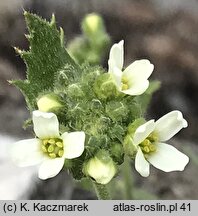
148 146
124 83
53 147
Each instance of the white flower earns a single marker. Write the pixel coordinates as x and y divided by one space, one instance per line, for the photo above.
149 139
49 148
134 79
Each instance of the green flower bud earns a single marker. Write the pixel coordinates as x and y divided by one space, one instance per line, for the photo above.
92 45
129 148
75 91
96 105
117 152
104 87
117 111
49 102
92 24
101 167
133 126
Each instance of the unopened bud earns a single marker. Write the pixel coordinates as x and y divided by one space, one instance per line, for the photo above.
104 87
49 102
101 167
92 24
129 148
74 90
117 152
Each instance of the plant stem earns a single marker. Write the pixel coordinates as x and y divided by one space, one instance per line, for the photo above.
101 191
128 180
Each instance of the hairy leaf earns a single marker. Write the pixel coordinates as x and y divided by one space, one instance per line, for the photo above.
45 58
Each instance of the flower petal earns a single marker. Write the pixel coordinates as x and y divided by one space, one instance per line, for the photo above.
27 152
45 125
139 70
141 165
117 75
137 88
168 158
170 124
73 144
116 56
50 168
143 131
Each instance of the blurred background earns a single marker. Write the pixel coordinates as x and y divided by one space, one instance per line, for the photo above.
165 32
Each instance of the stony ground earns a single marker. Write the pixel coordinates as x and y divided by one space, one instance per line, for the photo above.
169 38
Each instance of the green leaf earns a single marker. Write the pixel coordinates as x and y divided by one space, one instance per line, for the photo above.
45 58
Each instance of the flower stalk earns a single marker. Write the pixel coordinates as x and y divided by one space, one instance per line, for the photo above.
101 191
128 179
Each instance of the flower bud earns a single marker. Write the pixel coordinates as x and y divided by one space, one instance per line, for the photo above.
92 24
49 102
117 111
96 104
129 148
101 167
117 152
104 87
75 91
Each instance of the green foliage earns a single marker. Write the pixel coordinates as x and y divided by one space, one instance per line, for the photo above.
76 168
47 55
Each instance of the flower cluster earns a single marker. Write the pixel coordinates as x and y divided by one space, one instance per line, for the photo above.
95 113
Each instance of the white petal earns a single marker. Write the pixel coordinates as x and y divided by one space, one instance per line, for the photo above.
141 165
168 158
50 168
116 56
139 70
143 131
170 124
117 75
137 88
45 125
73 144
27 152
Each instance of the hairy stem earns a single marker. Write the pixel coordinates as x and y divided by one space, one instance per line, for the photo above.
128 180
101 191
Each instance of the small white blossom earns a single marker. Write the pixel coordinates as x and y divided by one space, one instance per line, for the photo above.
49 148
149 140
134 79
